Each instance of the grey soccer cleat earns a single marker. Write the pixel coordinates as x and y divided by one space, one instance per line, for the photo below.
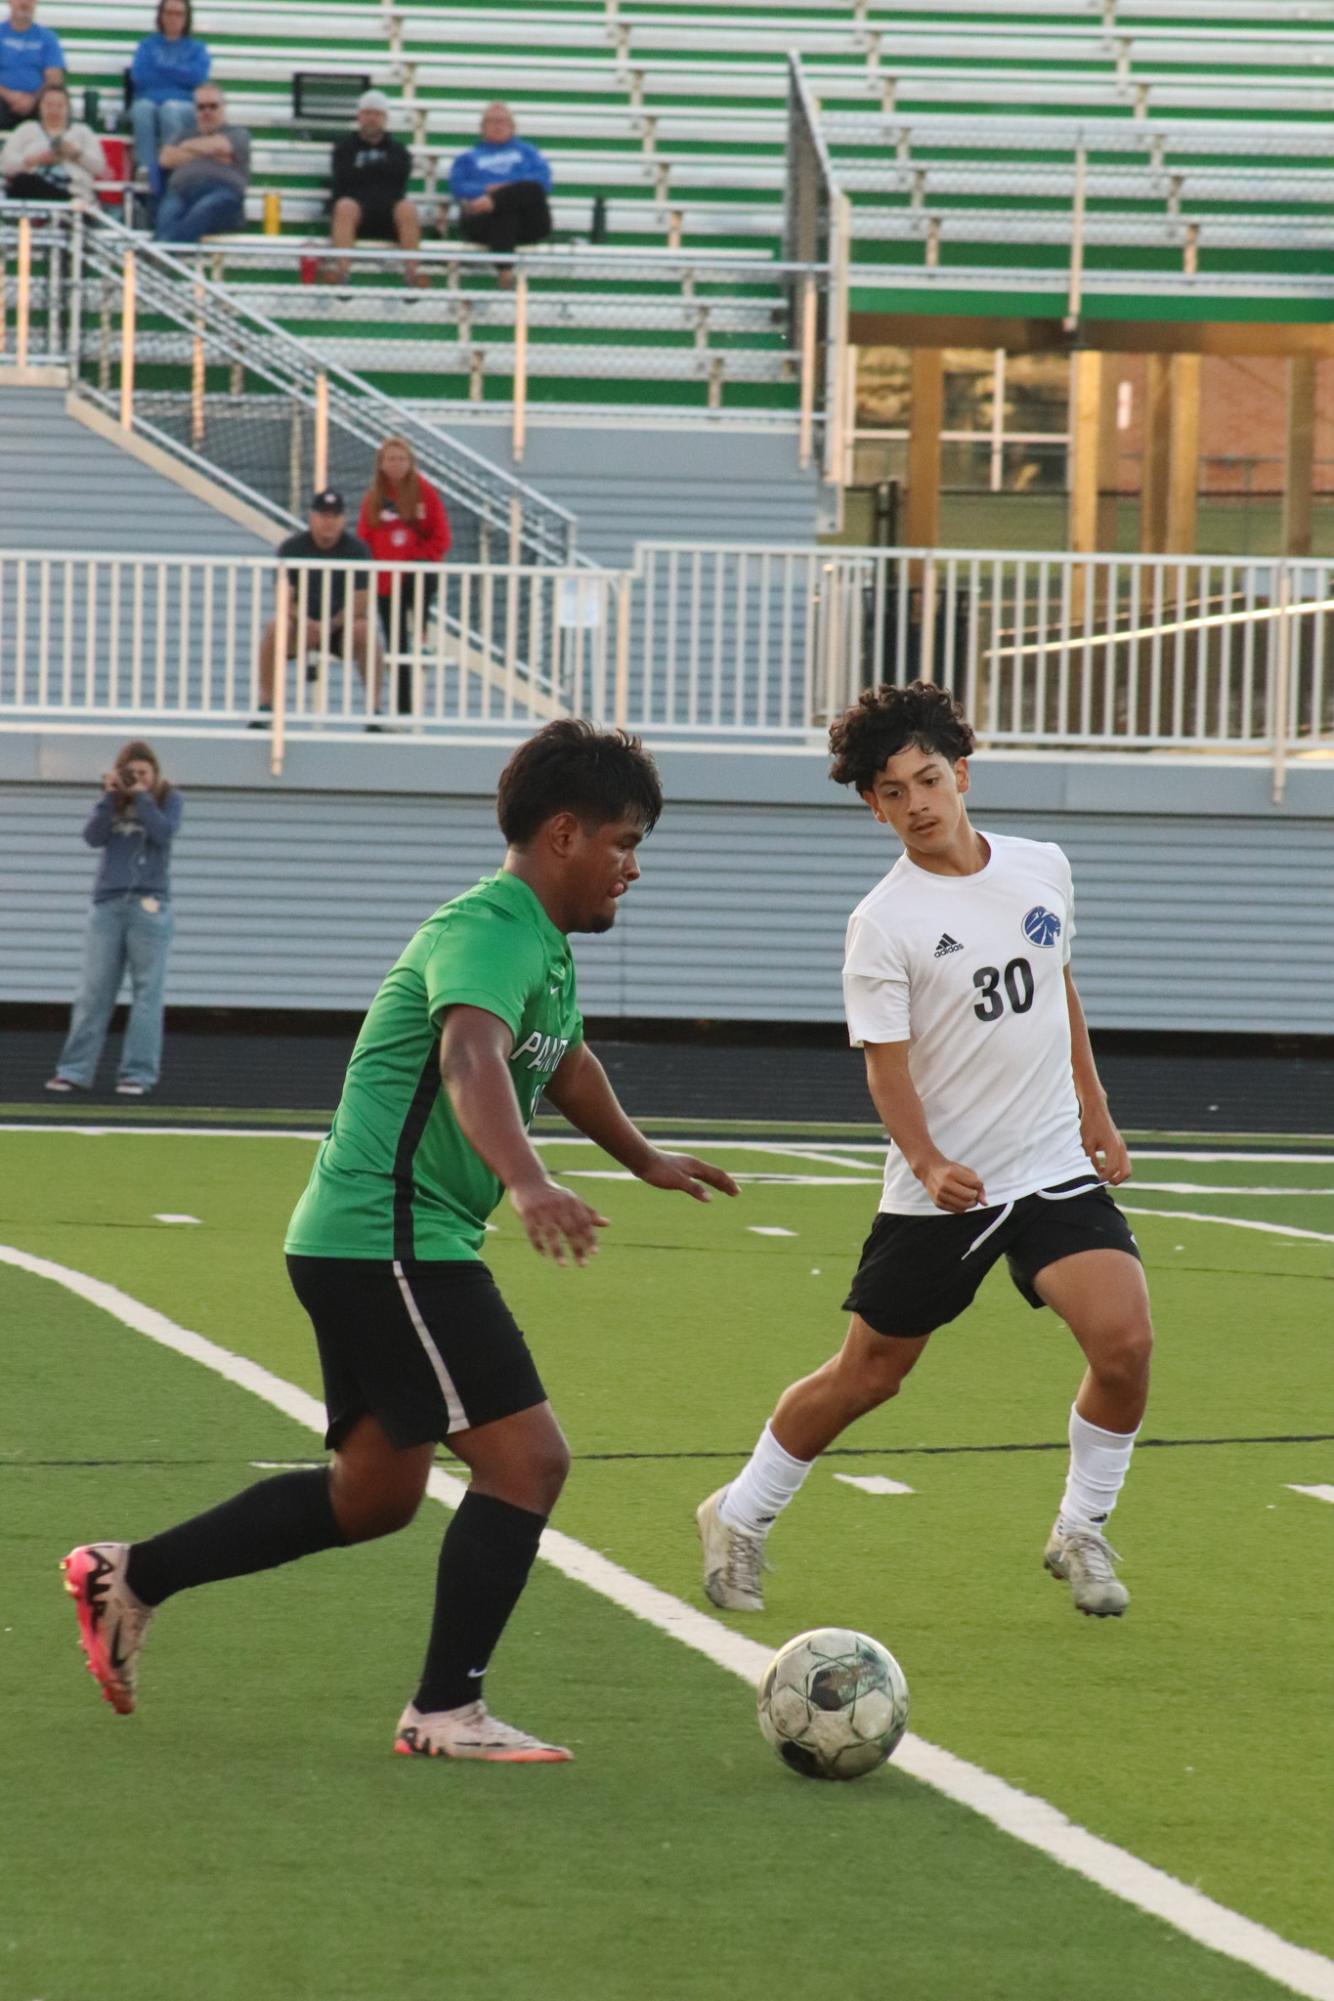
733 1560
472 1732
1084 1559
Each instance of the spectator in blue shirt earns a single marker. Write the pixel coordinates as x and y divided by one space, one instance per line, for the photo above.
501 188
30 57
168 68
129 925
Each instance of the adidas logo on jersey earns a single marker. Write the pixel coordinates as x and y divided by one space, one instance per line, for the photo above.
946 946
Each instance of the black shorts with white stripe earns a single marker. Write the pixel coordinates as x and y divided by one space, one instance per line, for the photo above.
430 1348
918 1272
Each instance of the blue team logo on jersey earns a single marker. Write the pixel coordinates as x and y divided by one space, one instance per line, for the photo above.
1041 927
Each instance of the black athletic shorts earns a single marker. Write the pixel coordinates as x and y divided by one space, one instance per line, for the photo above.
918 1272
430 1348
377 223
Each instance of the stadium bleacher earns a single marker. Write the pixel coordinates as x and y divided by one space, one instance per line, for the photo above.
1202 124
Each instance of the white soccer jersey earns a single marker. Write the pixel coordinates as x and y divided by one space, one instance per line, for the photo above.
969 970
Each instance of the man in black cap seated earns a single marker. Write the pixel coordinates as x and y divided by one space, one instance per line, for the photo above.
321 623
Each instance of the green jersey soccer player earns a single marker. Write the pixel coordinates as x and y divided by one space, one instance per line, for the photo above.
477 1019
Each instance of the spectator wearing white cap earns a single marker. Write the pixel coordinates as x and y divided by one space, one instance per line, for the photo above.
369 172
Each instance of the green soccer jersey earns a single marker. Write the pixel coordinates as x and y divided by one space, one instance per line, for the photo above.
395 1178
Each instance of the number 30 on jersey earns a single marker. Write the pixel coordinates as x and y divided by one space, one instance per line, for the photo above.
994 988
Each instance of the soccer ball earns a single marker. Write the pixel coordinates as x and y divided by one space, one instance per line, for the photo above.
833 1703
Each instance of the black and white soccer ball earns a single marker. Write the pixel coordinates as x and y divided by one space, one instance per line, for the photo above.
833 1703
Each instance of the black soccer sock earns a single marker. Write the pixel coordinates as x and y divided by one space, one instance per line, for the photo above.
485 1559
271 1523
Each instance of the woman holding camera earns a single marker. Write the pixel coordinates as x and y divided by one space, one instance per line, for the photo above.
129 925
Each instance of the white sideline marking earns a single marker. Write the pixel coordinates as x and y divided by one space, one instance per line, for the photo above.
1233 1222
837 1152
1217 1188
169 1218
1316 1493
873 1483
1030 1820
769 1230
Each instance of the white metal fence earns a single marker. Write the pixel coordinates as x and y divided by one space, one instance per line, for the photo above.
697 642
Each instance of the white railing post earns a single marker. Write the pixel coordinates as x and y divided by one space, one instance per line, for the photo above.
621 692
1281 696
127 317
282 616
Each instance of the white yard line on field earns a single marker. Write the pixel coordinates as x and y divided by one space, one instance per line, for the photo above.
1233 1222
1030 1820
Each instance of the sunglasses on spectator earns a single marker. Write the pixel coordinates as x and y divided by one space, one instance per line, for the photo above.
208 104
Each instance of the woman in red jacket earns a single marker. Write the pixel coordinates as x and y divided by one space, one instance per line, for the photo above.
403 520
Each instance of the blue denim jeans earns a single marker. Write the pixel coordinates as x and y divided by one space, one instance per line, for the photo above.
156 126
121 936
185 218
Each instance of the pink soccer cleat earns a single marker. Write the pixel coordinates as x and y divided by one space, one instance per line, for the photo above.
112 1621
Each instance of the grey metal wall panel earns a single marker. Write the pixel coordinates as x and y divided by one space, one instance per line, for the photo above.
65 490
302 899
673 483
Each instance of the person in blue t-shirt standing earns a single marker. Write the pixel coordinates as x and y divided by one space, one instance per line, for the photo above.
129 925
168 68
30 58
501 188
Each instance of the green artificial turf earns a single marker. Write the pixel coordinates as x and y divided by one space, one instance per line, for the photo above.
249 1833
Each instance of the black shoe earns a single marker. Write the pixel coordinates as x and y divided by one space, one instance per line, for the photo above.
263 721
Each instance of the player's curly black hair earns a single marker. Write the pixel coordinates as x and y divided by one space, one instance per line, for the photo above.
570 767
883 721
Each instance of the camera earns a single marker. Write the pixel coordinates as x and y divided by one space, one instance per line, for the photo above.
125 777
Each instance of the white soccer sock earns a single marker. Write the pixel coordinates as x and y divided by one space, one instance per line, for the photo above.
1099 1461
763 1487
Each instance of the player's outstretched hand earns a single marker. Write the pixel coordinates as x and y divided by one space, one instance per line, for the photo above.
1105 1147
953 1187
554 1217
682 1171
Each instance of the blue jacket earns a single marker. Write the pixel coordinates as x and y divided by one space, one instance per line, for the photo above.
135 844
484 166
164 70
26 55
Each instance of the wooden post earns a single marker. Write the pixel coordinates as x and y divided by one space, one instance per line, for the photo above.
1299 468
806 416
321 441
1154 456
925 417
519 433
127 313
1085 424
197 375
23 312
1109 454
1183 473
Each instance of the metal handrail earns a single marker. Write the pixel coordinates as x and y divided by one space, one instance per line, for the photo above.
171 288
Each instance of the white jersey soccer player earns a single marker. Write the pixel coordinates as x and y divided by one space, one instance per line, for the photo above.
957 984
928 959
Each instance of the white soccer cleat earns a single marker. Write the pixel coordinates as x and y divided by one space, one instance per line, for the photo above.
1085 1559
112 1621
733 1560
472 1732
